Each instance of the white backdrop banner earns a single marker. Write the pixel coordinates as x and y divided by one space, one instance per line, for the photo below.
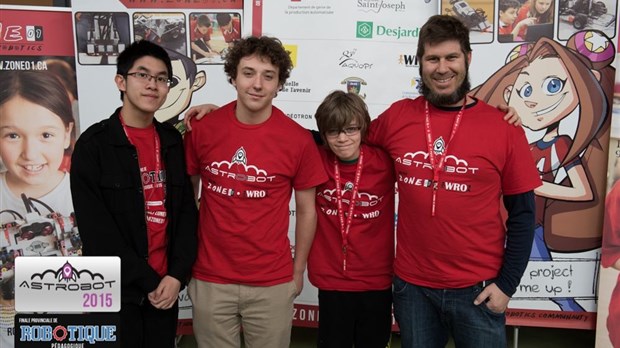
368 47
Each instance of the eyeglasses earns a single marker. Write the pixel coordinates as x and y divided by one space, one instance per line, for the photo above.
144 77
334 133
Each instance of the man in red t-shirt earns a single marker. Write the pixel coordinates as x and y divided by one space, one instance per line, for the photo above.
455 159
249 157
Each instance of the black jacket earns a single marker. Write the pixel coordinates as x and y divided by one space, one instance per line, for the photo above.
109 204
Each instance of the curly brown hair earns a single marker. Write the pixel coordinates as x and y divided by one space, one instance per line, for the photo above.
264 47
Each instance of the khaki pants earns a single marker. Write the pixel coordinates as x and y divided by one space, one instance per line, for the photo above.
220 310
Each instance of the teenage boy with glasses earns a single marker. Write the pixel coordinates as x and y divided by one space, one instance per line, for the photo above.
351 258
134 199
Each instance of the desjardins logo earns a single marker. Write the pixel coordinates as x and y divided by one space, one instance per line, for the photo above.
366 30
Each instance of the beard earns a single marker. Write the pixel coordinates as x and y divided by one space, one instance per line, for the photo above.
439 99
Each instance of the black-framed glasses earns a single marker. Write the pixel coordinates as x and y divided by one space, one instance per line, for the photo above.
144 77
334 133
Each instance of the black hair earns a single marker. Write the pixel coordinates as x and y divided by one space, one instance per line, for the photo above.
137 50
223 19
442 28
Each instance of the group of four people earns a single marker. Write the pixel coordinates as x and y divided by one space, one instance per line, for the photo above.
452 156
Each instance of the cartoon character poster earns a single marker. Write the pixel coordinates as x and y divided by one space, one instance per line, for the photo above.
563 93
101 36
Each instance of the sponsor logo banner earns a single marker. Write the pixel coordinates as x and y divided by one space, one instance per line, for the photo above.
67 330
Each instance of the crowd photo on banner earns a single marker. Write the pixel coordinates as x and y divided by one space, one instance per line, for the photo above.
362 160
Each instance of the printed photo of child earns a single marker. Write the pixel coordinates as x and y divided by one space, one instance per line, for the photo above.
37 134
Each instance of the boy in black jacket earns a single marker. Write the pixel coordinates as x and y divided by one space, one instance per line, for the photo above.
134 200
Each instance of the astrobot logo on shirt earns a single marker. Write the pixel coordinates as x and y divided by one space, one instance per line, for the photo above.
237 169
420 159
67 284
363 199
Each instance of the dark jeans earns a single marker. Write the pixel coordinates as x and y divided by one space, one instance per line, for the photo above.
427 317
144 326
348 318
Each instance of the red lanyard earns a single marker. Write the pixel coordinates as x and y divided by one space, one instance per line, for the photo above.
438 167
157 154
345 227
155 140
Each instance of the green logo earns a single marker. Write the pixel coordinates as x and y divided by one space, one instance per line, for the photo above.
364 30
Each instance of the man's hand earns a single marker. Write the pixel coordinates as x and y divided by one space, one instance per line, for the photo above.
166 294
511 114
198 113
495 299
298 278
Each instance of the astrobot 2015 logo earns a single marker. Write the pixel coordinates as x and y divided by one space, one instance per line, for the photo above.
67 284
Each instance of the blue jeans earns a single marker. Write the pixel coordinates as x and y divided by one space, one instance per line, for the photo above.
427 317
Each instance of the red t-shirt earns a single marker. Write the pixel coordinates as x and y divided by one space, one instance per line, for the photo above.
504 29
195 34
248 173
610 253
464 242
370 247
153 185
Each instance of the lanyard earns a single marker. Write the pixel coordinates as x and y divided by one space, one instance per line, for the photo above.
345 227
438 166
157 156
155 140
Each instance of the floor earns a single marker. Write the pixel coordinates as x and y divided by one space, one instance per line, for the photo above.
528 337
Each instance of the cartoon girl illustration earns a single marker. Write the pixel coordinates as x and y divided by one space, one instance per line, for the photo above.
545 83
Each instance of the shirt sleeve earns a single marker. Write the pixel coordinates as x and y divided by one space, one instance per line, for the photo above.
377 131
310 172
520 234
191 159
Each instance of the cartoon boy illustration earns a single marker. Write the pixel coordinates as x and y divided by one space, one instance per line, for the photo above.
545 82
186 80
